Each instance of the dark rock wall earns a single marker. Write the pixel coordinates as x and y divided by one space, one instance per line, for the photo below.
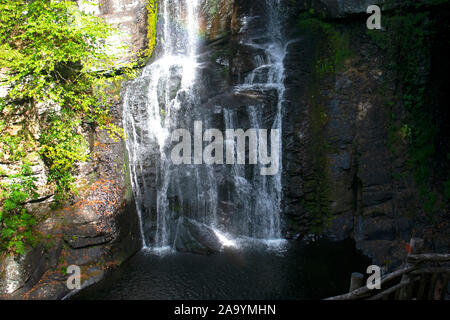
373 197
360 164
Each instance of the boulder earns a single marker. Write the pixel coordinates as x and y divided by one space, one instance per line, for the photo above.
196 237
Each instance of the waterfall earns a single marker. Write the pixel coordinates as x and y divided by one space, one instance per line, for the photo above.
233 200
266 191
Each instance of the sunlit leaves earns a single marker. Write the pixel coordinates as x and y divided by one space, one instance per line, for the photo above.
15 221
54 59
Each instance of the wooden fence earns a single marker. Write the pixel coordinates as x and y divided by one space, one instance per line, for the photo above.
425 276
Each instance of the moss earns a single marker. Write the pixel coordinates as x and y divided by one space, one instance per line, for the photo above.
317 201
120 260
152 8
335 46
331 53
407 42
214 6
62 264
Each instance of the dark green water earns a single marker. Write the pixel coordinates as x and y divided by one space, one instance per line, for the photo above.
296 271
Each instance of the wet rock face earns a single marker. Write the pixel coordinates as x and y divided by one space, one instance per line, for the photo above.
333 8
368 200
18 270
363 196
219 18
342 8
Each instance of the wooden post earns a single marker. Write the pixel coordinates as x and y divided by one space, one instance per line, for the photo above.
357 281
433 281
445 286
405 292
416 245
423 281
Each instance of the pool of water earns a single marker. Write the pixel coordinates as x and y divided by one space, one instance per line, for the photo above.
291 270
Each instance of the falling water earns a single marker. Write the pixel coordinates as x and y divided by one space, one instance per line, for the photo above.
164 98
263 192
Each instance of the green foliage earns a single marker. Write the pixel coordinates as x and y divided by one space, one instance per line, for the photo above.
56 63
62 148
15 221
12 145
50 50
62 264
214 6
54 55
336 44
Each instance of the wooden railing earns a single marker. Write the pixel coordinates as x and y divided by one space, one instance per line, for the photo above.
425 276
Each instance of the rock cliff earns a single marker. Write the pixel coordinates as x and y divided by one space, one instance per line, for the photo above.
336 149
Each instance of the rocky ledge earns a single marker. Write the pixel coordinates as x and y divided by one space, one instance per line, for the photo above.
97 230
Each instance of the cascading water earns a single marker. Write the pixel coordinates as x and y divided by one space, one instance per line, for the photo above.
190 207
263 192
233 200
